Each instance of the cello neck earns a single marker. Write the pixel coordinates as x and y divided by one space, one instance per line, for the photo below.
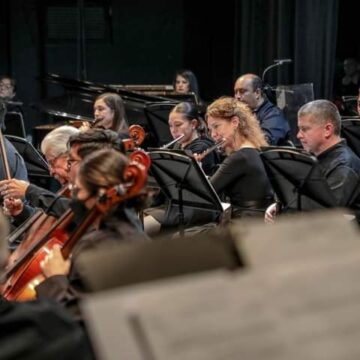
4 156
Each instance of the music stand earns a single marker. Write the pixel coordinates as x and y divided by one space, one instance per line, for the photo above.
185 185
297 179
350 130
157 115
35 163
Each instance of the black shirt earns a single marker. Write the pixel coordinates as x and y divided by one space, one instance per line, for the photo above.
198 146
341 168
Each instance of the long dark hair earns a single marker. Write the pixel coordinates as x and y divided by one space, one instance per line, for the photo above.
189 111
103 168
191 78
115 103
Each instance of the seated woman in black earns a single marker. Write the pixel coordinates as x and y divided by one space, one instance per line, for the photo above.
241 177
185 120
99 172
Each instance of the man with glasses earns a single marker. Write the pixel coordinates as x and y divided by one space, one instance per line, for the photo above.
63 148
7 88
54 148
8 94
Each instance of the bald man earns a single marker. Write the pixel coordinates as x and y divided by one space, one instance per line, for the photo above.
248 89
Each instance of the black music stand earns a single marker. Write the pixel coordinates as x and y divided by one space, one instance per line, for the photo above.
35 164
350 130
157 115
297 179
185 185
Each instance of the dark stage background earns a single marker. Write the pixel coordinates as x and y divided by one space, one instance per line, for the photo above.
144 42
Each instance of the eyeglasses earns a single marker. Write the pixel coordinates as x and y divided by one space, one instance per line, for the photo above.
53 162
71 161
6 86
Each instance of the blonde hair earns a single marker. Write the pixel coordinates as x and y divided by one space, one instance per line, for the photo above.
249 128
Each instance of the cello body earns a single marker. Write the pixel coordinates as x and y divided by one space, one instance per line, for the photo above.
27 274
21 286
38 229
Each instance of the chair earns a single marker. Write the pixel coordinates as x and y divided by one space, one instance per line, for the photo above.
14 124
350 130
37 167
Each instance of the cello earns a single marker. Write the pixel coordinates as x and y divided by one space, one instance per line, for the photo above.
40 223
21 282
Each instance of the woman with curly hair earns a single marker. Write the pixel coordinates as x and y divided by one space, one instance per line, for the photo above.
241 177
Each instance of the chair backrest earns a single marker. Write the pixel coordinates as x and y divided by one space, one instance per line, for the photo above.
35 163
14 124
350 130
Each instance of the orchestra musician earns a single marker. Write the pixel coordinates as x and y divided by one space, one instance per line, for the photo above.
249 90
99 172
54 147
185 120
241 177
109 113
60 147
319 124
81 145
185 124
185 82
45 321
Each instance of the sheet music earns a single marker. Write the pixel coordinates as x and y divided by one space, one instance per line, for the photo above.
306 237
303 303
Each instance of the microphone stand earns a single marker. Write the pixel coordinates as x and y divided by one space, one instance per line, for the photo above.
267 87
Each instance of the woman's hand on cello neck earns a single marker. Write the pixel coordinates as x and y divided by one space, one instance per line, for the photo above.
55 264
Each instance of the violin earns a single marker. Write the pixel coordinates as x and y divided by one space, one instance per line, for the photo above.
26 273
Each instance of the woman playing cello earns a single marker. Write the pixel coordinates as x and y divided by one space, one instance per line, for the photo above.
98 172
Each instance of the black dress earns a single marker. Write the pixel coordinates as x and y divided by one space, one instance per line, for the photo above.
241 179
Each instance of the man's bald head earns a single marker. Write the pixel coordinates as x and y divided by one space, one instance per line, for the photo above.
248 89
